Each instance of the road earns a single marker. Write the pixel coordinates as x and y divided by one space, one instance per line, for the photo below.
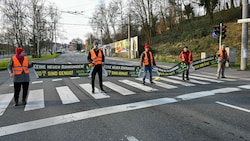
62 109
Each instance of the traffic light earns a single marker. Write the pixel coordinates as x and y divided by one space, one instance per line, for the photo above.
223 33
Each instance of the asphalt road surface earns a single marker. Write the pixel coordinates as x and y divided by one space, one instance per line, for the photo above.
62 109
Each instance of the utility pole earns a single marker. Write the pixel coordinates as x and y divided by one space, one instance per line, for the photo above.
38 34
129 47
244 40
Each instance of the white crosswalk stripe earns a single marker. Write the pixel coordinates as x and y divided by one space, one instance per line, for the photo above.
97 94
160 84
35 100
206 79
138 85
117 88
66 95
213 77
37 82
191 80
59 79
177 82
5 100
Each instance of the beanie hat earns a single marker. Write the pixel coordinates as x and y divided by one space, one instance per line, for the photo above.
146 46
19 50
96 43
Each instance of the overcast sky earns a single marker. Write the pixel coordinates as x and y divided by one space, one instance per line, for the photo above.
75 26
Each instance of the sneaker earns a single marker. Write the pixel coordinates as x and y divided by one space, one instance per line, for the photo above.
93 91
143 83
187 78
16 104
24 103
151 82
223 77
102 91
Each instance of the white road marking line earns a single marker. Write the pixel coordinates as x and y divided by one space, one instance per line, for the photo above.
191 80
195 95
5 100
131 138
59 79
177 82
66 95
37 82
72 78
232 106
97 94
244 86
11 85
35 100
117 88
206 79
206 93
41 123
138 85
213 77
160 84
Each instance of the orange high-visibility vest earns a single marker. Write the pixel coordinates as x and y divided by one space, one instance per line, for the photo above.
145 60
19 68
96 60
188 59
221 54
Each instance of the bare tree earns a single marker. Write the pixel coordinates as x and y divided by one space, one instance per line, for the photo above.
147 18
14 15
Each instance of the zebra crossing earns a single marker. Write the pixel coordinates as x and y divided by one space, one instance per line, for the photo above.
123 87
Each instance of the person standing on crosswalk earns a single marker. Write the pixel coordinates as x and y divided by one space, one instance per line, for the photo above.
223 58
19 71
187 58
96 59
147 61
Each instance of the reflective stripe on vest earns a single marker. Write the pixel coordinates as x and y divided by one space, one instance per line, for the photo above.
17 68
145 61
96 60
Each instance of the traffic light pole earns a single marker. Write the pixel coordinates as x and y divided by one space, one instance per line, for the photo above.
220 39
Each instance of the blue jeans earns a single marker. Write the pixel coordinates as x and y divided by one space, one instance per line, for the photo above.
146 69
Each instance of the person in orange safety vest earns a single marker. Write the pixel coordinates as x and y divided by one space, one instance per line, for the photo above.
147 61
223 58
19 71
96 59
187 58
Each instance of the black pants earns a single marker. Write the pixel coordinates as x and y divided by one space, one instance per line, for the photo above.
97 69
186 72
17 89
